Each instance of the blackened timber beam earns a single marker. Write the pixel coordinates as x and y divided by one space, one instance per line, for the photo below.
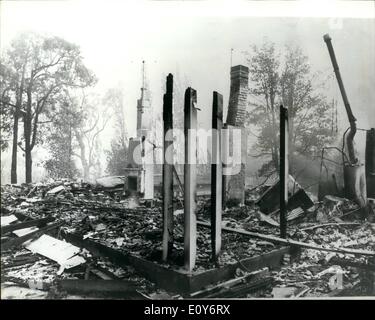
284 170
178 281
348 263
168 169
32 235
204 293
165 278
190 178
216 175
32 223
291 242
101 288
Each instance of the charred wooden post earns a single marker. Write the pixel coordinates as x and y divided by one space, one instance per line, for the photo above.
168 169
370 162
284 169
216 175
100 288
190 178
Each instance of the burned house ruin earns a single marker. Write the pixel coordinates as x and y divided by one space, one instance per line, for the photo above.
274 239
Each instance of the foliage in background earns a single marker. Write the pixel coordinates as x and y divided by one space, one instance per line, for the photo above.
286 79
59 141
116 156
34 71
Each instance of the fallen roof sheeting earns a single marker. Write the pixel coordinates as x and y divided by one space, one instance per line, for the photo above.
62 252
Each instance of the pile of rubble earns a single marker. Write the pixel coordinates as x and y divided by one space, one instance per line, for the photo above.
35 256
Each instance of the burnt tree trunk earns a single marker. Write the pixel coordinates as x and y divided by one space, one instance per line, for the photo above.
13 170
82 156
27 134
16 116
28 157
275 149
284 169
370 162
28 162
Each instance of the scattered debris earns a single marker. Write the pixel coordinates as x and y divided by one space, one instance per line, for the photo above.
269 201
34 256
62 252
293 242
110 182
17 226
101 288
284 292
233 288
56 190
28 236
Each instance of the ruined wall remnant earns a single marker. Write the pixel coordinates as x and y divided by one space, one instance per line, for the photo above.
235 184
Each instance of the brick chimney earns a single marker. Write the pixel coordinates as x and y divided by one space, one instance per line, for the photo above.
239 76
239 80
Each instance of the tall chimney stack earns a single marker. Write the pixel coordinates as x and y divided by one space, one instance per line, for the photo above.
239 80
235 184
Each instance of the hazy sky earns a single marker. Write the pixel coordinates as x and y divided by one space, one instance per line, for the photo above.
196 37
